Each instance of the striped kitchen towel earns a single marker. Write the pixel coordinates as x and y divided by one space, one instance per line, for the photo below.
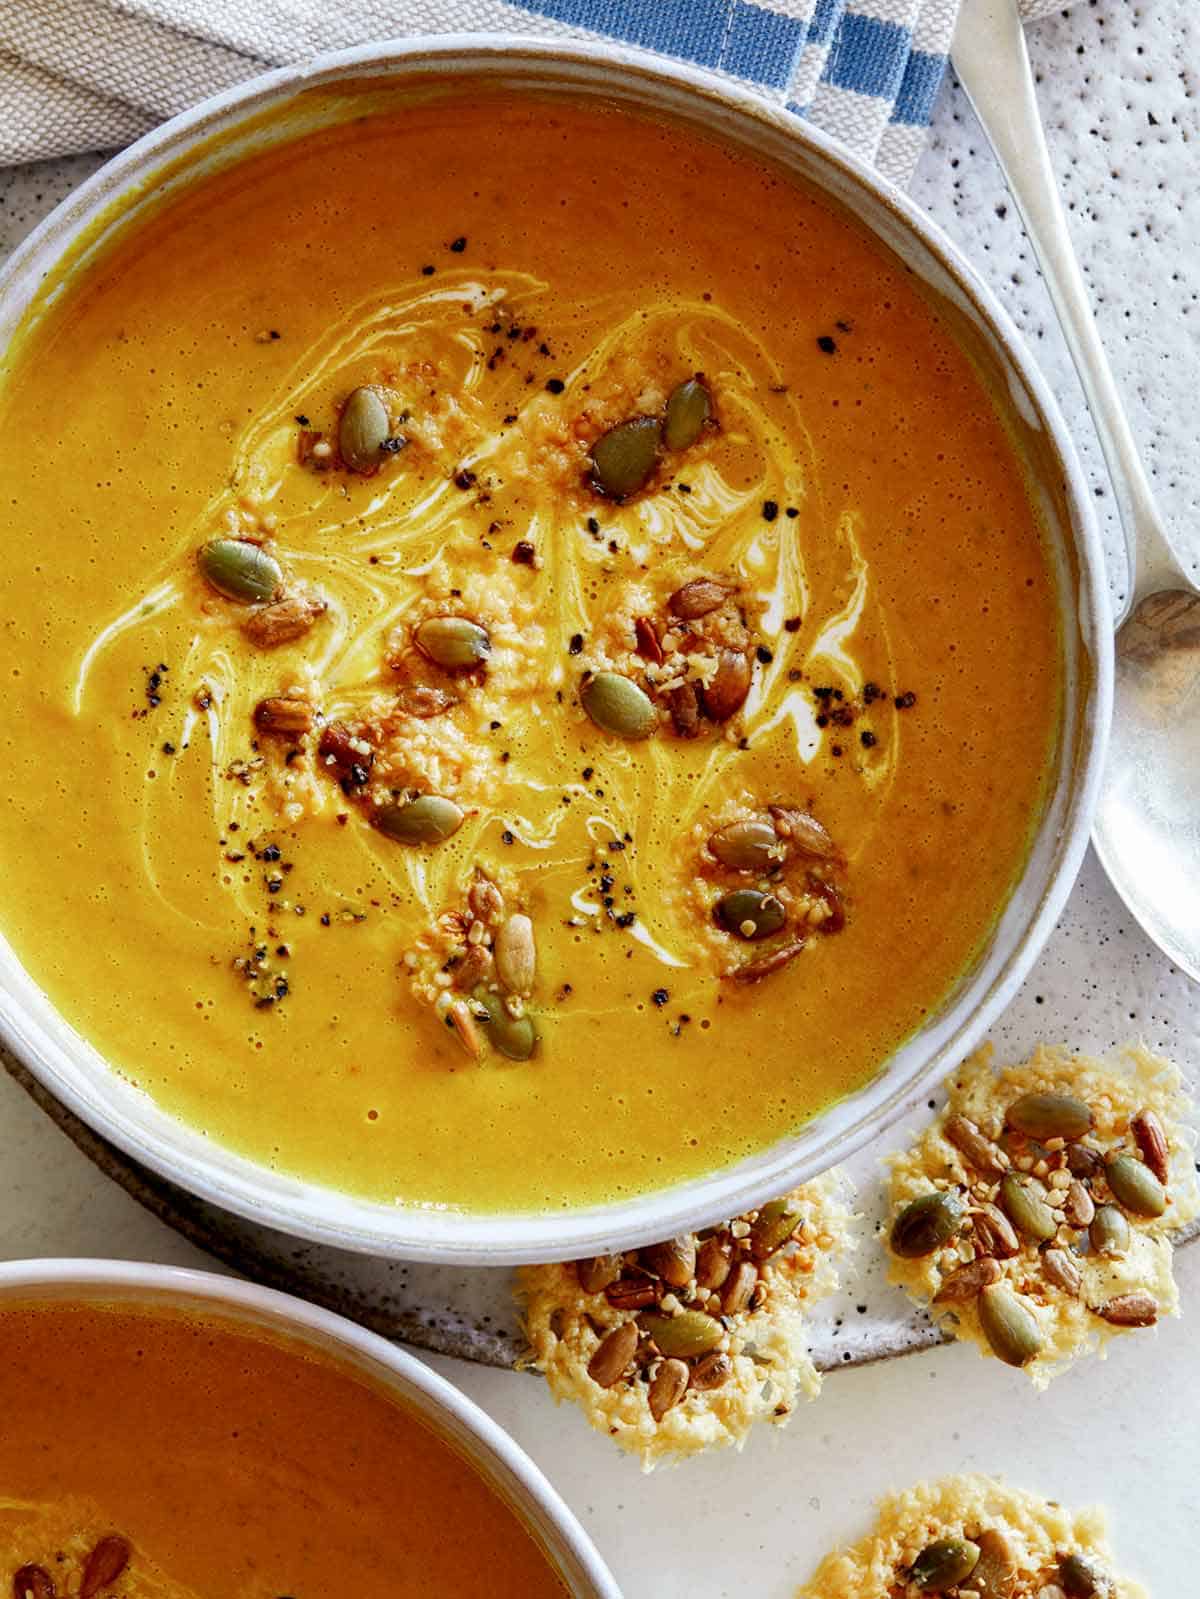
94 74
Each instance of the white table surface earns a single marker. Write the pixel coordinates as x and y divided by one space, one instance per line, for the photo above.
1125 1432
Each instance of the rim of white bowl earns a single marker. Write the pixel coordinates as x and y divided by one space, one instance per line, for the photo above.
504 1465
74 1072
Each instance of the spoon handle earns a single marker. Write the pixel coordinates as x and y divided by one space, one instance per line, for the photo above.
992 64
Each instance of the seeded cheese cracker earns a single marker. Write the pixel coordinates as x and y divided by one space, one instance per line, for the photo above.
1034 1216
975 1538
683 1346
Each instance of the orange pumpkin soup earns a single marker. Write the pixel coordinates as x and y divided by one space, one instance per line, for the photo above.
185 1456
528 677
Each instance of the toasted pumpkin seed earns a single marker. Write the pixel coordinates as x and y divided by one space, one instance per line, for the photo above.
773 1226
1044 1114
453 642
1135 1185
995 1576
362 428
749 846
689 407
618 705
240 570
597 1271
430 819
1009 1326
750 914
516 954
514 1036
674 1261
944 1564
1109 1232
689 1333
926 1223
608 1365
1082 1578
667 1387
624 457
1022 1202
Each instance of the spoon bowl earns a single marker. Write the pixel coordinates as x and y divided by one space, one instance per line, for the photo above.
1147 829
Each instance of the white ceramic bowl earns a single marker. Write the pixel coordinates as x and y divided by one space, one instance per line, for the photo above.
174 155
505 1467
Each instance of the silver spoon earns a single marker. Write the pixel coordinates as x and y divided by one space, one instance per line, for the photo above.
1147 828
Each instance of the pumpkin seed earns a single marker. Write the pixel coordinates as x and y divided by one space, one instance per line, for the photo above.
516 954
697 598
714 1260
1082 1578
749 846
944 1564
1009 1326
362 429
624 457
730 683
987 1158
430 819
674 1261
1022 1202
597 1271
667 1387
711 1372
618 705
1151 1137
240 570
1109 1233
689 407
773 1226
1062 1271
514 1036
750 914
926 1223
995 1576
608 1365
678 1337
1135 1185
453 642
1049 1115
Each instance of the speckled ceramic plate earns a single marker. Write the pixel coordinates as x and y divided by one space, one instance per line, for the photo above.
1099 983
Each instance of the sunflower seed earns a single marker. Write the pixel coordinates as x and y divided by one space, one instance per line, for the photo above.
667 1387
105 1564
987 1158
1062 1271
965 1282
516 954
1151 1137
698 598
674 1261
610 1362
597 1271
1136 1309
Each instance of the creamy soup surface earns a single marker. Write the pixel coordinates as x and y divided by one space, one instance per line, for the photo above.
531 665
184 1457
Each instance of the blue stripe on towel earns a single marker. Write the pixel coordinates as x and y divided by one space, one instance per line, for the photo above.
919 89
869 56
